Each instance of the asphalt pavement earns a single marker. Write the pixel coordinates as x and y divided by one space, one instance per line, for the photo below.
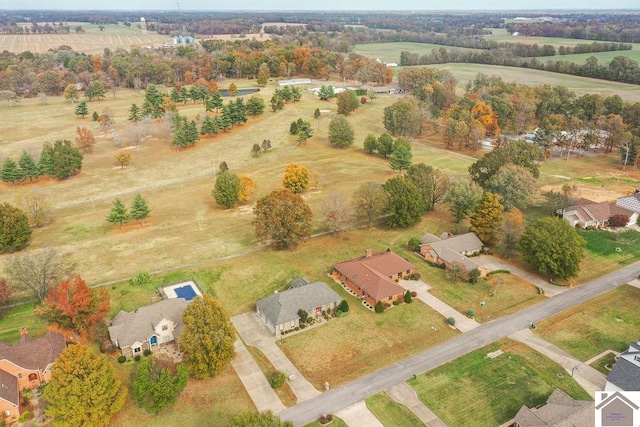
341 397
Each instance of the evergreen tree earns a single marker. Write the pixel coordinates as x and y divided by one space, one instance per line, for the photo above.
153 103
227 189
423 177
45 163
10 171
28 166
118 214
213 102
66 159
82 109
139 209
135 115
255 106
209 126
401 158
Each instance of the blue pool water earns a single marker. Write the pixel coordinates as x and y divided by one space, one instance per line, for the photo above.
187 292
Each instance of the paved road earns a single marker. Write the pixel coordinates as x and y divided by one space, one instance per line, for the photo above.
348 394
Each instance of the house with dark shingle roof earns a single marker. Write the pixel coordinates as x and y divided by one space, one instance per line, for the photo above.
625 373
449 249
559 411
280 310
587 213
148 327
373 277
26 364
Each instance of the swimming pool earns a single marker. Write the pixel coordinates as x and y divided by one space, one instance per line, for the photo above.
187 290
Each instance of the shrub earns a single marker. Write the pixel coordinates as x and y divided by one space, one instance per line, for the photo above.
302 326
303 315
414 294
500 271
451 321
618 220
344 306
122 359
325 419
474 275
363 100
277 379
141 278
415 276
407 297
297 328
147 352
379 307
471 313
338 312
136 357
396 303
309 319
24 417
414 244
95 116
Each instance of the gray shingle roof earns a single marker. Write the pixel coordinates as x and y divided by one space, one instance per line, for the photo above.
284 306
625 375
138 326
460 243
300 281
9 388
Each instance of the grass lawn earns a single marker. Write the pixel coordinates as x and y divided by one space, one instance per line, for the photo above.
475 390
285 393
605 363
390 52
16 318
391 413
602 57
602 256
503 294
363 341
502 35
608 322
212 401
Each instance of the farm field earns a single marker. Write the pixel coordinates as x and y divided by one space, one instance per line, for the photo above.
602 57
92 41
390 52
491 391
501 35
608 322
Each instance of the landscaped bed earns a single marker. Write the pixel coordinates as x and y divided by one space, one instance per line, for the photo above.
608 322
475 390
502 294
362 341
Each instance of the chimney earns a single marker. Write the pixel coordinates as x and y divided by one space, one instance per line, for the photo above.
23 332
368 253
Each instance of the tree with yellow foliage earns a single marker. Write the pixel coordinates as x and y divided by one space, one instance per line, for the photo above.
247 188
296 178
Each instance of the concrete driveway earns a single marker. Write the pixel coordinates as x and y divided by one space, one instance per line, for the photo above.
358 415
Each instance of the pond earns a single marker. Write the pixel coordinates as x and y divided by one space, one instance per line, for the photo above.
241 92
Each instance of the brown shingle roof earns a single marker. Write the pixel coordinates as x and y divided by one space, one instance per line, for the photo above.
34 353
560 411
9 388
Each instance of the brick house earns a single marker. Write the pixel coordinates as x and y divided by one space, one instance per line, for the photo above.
448 249
374 277
587 213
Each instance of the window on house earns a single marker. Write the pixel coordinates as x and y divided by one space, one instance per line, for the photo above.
137 350
636 358
20 375
282 327
390 297
293 323
165 327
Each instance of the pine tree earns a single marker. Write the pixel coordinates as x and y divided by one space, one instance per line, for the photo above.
255 106
10 171
28 166
45 163
227 190
401 158
209 126
82 109
118 214
135 115
139 209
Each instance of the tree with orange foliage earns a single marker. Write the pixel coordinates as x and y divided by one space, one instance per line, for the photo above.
97 63
84 140
510 231
247 188
73 305
213 86
484 113
188 77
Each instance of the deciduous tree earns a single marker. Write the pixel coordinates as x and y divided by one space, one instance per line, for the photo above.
263 75
140 209
403 118
336 211
15 232
283 218
73 305
518 153
514 184
158 382
405 203
552 247
38 271
36 206
84 389
123 157
341 132
227 190
441 183
119 214
369 201
5 292
296 178
385 144
233 89
463 197
207 338
422 176
84 140
370 144
247 188
71 93
487 218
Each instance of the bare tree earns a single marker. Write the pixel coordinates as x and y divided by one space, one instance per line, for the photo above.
441 184
336 211
369 201
39 271
35 205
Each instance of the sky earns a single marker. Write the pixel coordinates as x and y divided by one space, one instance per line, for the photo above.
417 5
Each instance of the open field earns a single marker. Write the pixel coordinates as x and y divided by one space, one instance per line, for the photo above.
212 401
92 41
475 390
178 184
502 294
608 322
391 413
580 85
501 35
390 52
363 341
602 57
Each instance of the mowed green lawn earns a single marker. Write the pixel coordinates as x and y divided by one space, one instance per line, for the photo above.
475 390
608 322
603 57
501 35
390 52
391 413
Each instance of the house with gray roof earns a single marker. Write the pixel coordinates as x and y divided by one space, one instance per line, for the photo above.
631 202
560 410
448 249
148 327
625 374
280 310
